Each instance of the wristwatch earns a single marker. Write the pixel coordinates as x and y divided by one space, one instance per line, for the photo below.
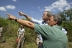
15 19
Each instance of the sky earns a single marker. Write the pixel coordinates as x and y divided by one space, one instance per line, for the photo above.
33 8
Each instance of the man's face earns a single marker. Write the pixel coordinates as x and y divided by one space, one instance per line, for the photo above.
45 17
51 21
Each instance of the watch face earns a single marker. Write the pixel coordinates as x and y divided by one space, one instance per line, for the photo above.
16 19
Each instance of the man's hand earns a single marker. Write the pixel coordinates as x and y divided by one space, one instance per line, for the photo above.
11 17
21 13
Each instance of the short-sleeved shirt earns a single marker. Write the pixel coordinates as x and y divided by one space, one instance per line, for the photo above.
40 22
21 31
53 37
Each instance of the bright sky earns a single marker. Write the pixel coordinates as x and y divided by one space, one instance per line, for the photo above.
33 8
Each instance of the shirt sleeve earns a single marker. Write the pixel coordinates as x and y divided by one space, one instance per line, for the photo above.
43 30
36 21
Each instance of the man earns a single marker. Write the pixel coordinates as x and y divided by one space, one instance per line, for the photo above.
21 32
53 36
1 30
1 35
45 17
20 35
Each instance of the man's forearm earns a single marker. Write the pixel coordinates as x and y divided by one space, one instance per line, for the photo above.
28 17
23 22
26 23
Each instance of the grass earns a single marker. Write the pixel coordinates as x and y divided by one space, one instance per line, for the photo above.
30 45
11 42
70 45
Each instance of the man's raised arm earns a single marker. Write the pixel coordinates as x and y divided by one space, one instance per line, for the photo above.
22 14
23 22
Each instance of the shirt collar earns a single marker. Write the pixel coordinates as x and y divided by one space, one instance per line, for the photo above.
44 22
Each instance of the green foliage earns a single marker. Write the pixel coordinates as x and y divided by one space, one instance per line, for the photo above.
3 21
66 15
68 25
63 16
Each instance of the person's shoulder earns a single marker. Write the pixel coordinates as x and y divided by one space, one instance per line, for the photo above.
41 26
